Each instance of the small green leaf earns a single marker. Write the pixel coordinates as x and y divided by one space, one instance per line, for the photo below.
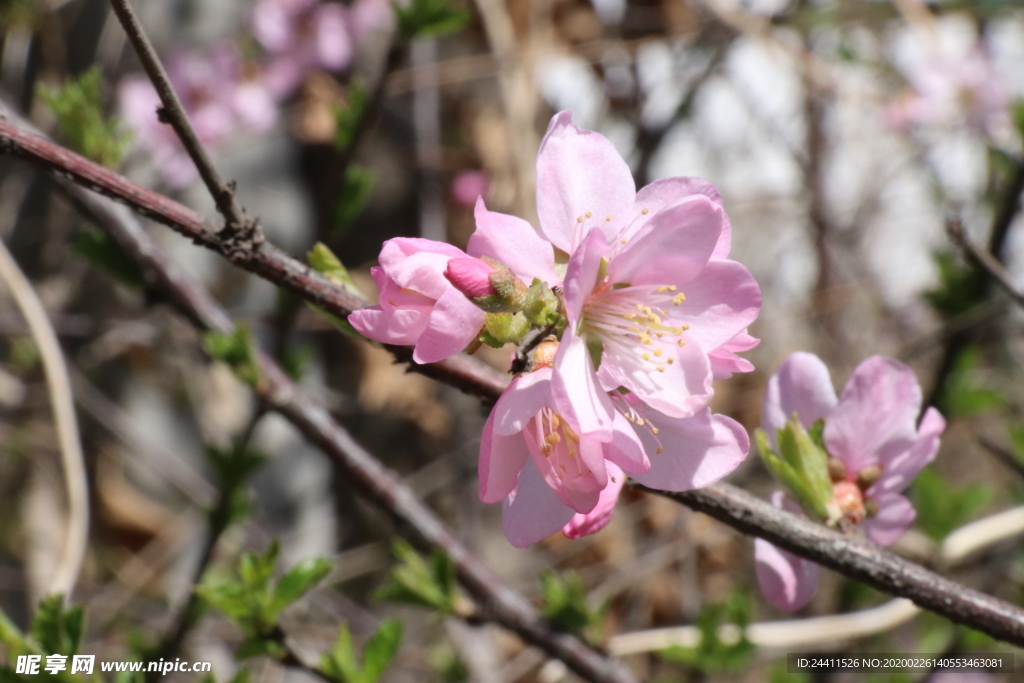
340 663
940 507
356 189
963 394
58 631
236 349
713 654
100 250
564 602
302 577
322 260
348 117
381 649
413 582
429 18
259 647
78 108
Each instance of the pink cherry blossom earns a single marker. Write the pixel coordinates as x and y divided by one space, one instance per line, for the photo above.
552 476
219 94
955 87
469 186
301 35
871 429
787 581
418 306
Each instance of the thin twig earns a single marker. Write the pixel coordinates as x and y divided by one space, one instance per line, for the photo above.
268 262
815 632
985 260
243 234
858 559
62 403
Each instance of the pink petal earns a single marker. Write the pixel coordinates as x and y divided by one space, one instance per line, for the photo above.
695 451
333 43
725 362
682 389
800 385
577 393
501 459
876 415
581 492
673 247
255 106
581 273
786 580
454 323
532 512
579 172
720 303
515 243
272 26
393 297
626 449
524 398
418 264
895 515
666 192
598 518
902 469
402 327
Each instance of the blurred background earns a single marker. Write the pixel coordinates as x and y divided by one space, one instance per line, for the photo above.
843 135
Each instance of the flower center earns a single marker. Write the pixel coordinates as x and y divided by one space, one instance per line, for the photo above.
559 444
637 321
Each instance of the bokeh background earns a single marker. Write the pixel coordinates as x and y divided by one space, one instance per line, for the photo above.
844 135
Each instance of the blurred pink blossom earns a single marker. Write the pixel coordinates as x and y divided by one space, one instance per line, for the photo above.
872 433
218 94
953 88
418 306
468 186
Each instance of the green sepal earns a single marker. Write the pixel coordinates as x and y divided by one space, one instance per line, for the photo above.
506 328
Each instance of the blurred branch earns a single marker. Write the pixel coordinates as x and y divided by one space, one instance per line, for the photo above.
985 260
498 602
59 386
959 546
857 558
268 262
240 234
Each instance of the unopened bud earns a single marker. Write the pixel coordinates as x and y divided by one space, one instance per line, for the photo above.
471 276
836 469
867 477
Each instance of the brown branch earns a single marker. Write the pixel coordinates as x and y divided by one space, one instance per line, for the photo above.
985 260
728 504
241 233
268 262
858 559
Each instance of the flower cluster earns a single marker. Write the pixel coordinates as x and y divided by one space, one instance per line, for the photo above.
868 445
624 307
221 92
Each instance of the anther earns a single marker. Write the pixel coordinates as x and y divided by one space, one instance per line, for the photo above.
645 212
588 214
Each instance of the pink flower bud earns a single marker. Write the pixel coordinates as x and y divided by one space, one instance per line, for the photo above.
471 276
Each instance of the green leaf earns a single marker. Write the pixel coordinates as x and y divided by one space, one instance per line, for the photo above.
236 349
564 602
58 631
348 117
340 663
961 286
234 466
413 582
302 577
78 108
963 394
713 654
941 507
356 188
259 647
100 250
322 260
381 649
296 362
429 18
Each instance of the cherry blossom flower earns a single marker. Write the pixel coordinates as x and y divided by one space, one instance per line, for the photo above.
953 87
468 186
219 94
418 306
875 447
550 475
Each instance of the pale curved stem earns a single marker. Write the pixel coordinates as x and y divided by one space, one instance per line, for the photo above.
59 386
815 631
